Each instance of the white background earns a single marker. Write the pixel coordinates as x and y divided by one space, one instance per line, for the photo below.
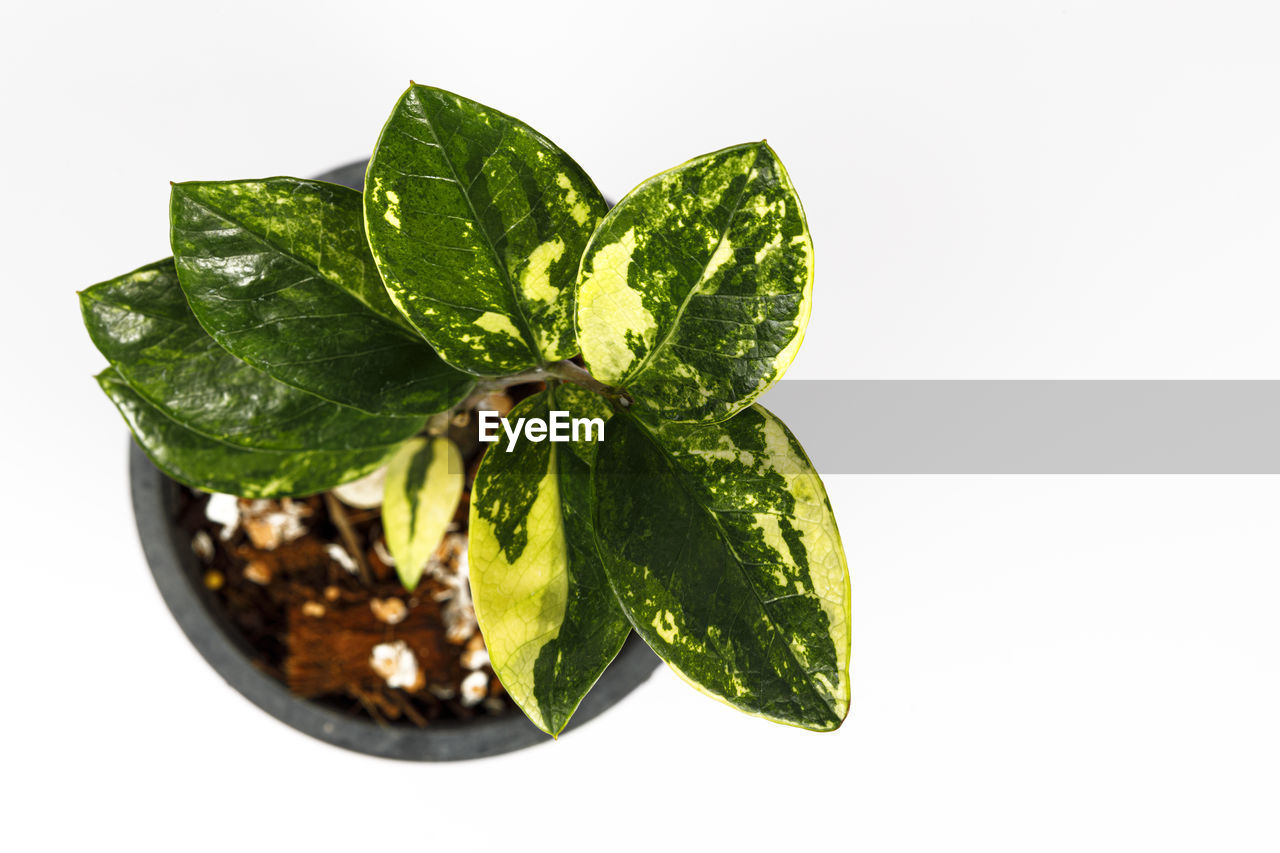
996 190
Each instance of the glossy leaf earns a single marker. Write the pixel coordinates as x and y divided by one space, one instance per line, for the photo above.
695 290
423 486
544 607
721 546
478 222
141 322
215 466
278 272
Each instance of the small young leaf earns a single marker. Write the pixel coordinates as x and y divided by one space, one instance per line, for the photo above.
721 546
214 466
694 292
477 223
278 272
544 606
423 486
141 322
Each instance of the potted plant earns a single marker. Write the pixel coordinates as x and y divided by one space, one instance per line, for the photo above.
472 396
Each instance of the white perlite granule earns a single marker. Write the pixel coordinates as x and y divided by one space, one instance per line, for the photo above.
395 663
340 556
475 687
223 510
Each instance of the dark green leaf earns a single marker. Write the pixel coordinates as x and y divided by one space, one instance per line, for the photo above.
695 290
544 607
278 272
477 222
721 546
214 466
141 322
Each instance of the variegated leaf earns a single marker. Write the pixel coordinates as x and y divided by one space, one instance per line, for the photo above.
278 272
544 607
204 463
694 292
477 222
721 546
141 322
423 486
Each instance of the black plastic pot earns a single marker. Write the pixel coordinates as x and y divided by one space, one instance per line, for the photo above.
177 574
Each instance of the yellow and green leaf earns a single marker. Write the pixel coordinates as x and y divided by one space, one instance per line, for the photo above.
695 290
545 609
279 274
721 546
423 486
477 223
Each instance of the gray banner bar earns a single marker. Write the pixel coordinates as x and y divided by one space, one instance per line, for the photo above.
1034 427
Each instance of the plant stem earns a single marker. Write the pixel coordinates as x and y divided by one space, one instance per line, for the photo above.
565 371
338 516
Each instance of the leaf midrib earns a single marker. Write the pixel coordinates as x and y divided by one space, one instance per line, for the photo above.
303 262
696 287
225 439
119 377
192 333
525 328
